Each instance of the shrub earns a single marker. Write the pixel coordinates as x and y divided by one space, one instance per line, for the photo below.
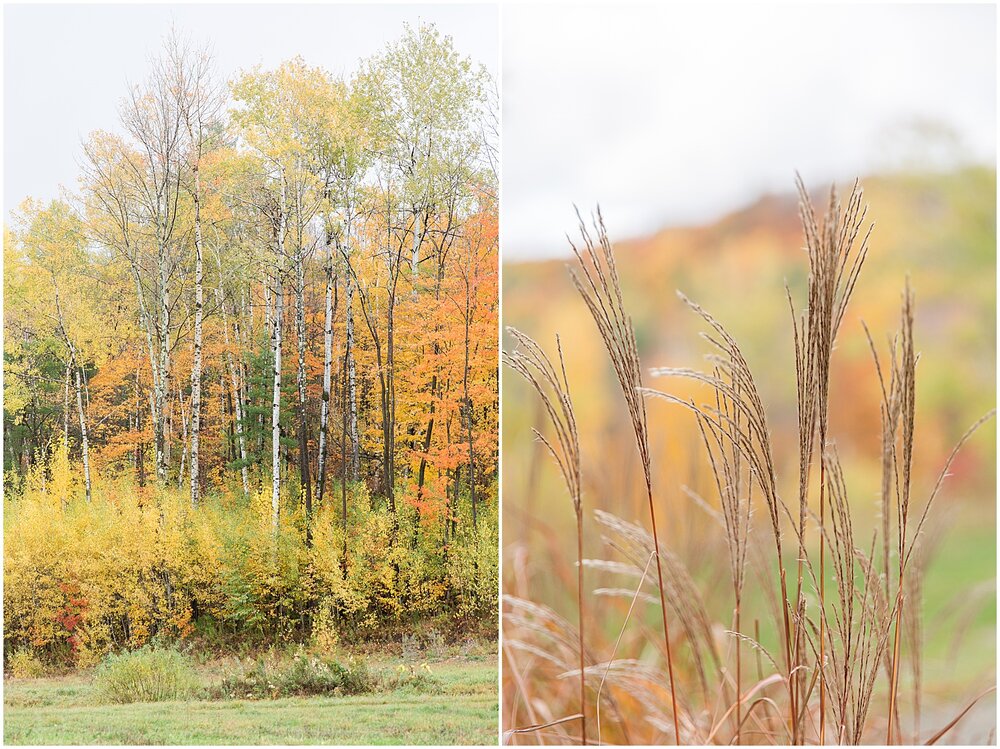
220 573
304 676
150 674
408 678
24 664
420 640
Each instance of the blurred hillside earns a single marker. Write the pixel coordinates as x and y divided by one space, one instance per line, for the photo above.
940 229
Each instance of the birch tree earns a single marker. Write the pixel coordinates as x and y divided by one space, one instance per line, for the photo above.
200 102
151 193
270 121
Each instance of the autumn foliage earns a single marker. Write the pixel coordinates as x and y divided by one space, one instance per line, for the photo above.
251 365
82 579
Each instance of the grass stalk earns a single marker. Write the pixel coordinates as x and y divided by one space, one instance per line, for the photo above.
666 624
598 285
739 677
822 591
894 679
579 601
529 360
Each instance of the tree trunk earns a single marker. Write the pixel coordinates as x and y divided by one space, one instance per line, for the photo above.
139 465
300 380
154 414
276 347
74 363
343 467
163 335
427 437
467 401
184 438
196 366
324 414
434 386
268 308
84 442
389 412
455 503
236 395
352 391
276 410
66 408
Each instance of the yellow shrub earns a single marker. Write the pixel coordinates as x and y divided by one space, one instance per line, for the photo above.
324 629
84 579
24 664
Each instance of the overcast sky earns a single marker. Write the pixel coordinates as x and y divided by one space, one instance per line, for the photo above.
673 115
66 66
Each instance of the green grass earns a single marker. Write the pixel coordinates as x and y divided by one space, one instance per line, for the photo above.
64 710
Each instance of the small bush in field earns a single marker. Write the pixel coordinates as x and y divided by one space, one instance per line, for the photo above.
24 664
151 674
408 678
306 675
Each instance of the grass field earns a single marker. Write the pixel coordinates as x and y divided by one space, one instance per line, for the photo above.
63 710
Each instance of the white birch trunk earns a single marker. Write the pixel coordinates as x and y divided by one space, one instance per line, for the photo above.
276 413
300 375
352 393
196 366
162 457
276 393
324 413
84 441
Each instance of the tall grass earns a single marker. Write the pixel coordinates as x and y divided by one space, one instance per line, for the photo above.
530 361
856 598
596 279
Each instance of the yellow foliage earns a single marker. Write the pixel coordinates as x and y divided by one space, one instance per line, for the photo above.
324 629
24 664
83 579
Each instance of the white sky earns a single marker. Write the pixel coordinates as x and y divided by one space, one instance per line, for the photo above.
676 114
66 67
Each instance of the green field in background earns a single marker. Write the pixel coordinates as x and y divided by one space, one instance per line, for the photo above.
63 710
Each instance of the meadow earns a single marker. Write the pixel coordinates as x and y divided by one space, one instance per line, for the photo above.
934 234
459 708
